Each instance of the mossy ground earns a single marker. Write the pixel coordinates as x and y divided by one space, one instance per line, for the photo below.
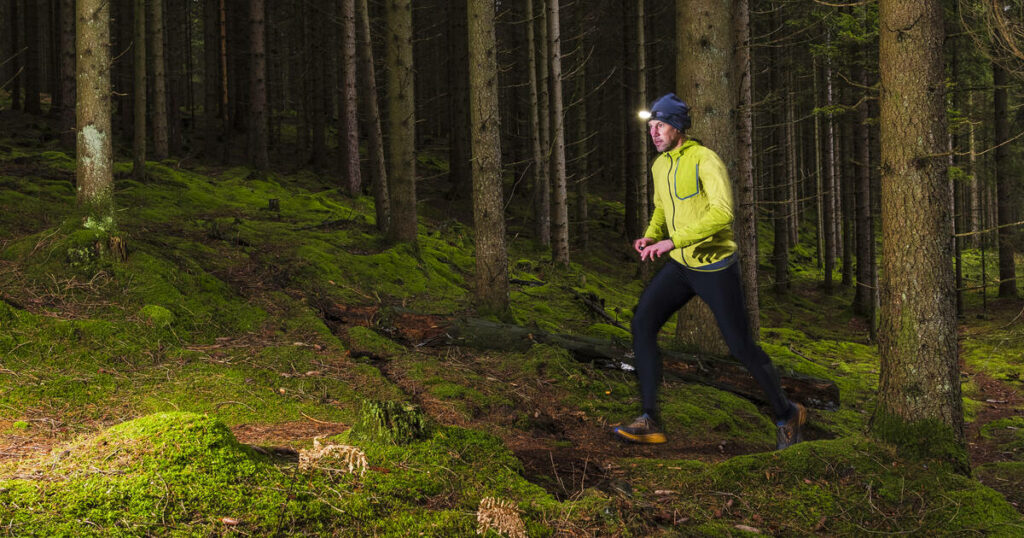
174 387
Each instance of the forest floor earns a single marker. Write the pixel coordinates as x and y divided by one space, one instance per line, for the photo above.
229 322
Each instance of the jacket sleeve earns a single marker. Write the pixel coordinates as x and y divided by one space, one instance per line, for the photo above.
656 229
714 181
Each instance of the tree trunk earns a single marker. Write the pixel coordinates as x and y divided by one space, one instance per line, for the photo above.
542 188
348 119
401 122
705 80
459 168
919 403
258 150
94 172
211 78
67 73
159 109
139 93
778 172
225 120
314 96
828 188
1004 186
560 196
745 225
488 202
17 61
864 296
33 58
374 137
177 21
642 170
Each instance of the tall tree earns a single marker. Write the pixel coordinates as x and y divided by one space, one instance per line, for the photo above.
864 296
488 206
459 168
348 121
211 78
67 73
401 122
33 58
1003 180
16 61
919 404
94 173
159 109
139 92
705 80
542 185
374 137
257 129
745 225
559 187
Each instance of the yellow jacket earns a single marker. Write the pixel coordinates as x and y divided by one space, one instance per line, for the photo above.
693 206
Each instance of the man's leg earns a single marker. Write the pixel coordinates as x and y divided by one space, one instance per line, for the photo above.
667 292
723 293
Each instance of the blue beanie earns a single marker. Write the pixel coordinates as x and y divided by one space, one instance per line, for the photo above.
671 110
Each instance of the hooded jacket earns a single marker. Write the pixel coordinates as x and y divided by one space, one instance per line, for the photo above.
693 207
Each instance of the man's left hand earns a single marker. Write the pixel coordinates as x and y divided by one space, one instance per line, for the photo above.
657 249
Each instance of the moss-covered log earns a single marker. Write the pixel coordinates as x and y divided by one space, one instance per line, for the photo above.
431 330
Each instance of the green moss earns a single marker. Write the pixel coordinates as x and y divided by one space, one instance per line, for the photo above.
157 315
924 439
390 422
366 341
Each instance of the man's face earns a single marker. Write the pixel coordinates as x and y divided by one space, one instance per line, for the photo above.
664 136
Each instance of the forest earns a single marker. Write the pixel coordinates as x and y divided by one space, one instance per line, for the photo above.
369 268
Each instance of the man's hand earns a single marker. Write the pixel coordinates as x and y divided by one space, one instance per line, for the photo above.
656 250
639 244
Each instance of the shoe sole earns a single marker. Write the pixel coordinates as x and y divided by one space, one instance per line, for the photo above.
801 419
645 438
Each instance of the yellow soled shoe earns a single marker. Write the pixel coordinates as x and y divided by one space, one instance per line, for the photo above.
643 430
791 432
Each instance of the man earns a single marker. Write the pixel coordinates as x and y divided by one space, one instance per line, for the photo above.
691 222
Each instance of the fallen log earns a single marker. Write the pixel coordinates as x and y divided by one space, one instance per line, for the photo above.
723 374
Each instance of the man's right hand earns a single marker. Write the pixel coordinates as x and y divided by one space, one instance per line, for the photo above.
639 244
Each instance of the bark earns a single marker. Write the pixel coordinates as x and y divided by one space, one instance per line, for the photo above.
559 187
488 207
460 170
779 177
705 80
178 19
33 58
222 40
919 402
374 137
864 296
17 60
159 80
348 120
139 92
67 73
314 96
542 189
258 150
401 122
1004 186
745 224
828 189
95 165
211 78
